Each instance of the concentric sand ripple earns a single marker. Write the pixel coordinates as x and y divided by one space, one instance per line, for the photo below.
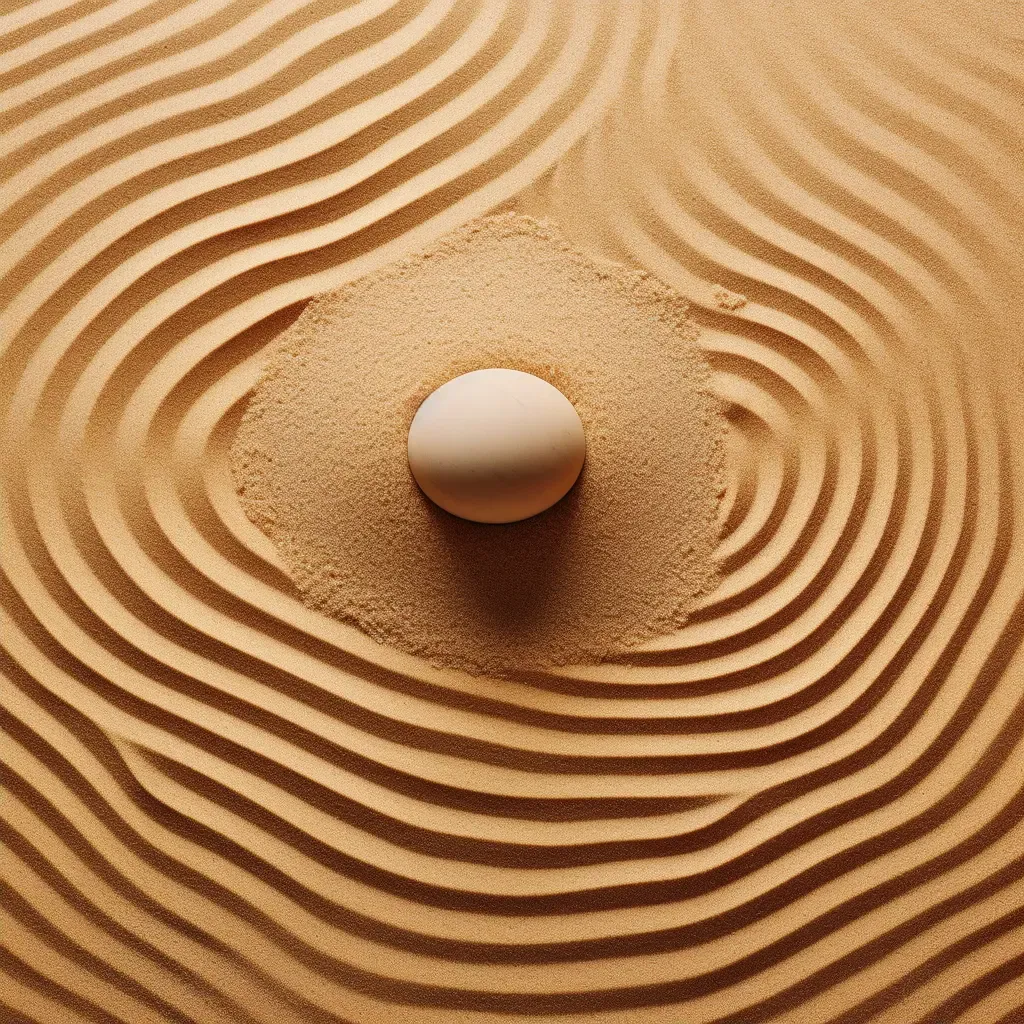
804 807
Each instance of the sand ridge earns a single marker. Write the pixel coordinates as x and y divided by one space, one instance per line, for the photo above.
803 807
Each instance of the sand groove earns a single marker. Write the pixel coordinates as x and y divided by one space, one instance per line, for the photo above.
804 806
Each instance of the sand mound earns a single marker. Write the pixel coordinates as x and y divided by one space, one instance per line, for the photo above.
320 457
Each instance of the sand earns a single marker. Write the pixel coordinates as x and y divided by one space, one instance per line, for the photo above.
803 807
320 458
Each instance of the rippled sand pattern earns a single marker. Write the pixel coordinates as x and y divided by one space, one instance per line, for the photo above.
806 807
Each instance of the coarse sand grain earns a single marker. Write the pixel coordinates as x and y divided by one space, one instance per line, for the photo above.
320 456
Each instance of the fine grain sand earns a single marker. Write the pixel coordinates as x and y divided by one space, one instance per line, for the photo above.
320 458
803 807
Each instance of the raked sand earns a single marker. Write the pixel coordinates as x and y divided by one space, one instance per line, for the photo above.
803 807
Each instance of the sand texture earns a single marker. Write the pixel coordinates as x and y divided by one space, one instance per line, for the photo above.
804 807
320 458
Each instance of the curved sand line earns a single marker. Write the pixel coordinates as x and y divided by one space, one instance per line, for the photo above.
804 806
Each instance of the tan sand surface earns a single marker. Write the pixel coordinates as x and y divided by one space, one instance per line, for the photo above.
320 459
805 806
